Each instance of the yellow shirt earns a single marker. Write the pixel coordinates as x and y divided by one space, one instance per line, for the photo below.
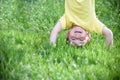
81 13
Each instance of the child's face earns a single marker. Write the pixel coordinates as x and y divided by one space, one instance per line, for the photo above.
77 36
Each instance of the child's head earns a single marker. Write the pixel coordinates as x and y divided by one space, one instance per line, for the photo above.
78 36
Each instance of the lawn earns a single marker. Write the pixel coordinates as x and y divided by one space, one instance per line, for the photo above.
25 52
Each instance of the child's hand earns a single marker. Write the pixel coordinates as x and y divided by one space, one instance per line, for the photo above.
53 43
109 36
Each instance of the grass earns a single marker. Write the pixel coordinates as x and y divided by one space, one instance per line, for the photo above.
25 53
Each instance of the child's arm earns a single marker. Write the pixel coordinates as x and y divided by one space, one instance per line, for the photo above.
108 35
54 33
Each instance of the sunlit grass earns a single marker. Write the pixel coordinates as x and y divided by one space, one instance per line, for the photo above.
25 52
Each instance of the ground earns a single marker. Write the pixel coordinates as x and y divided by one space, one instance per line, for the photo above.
25 52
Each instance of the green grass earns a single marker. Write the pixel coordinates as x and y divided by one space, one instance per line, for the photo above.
25 53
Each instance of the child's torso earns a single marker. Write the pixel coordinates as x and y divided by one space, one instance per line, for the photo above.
83 9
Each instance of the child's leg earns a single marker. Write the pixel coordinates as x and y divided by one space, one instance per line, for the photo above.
108 35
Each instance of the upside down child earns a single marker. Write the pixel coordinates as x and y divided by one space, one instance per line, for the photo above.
81 13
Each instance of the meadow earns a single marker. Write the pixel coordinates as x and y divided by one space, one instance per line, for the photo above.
25 52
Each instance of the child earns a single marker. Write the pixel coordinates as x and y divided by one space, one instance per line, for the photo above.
81 13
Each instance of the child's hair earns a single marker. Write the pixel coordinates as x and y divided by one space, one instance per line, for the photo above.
67 38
